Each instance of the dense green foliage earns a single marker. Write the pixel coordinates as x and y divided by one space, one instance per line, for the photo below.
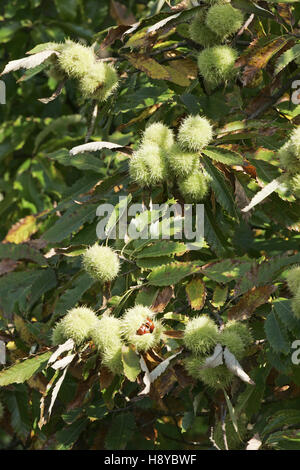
164 347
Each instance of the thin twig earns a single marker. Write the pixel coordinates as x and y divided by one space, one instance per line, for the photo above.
223 418
211 438
92 122
245 26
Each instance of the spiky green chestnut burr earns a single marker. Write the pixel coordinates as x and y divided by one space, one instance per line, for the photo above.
296 304
195 133
147 166
216 64
200 33
224 20
58 336
193 364
181 162
288 159
99 82
293 279
106 335
195 187
234 439
101 263
233 341
294 185
203 35
294 142
242 330
76 60
200 335
216 378
132 324
158 134
76 324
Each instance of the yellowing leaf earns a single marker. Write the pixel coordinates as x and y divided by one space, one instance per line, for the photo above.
258 55
152 68
250 301
22 230
179 71
196 294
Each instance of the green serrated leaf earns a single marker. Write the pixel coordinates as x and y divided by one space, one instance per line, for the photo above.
22 371
70 222
163 248
131 363
219 154
171 274
276 335
221 188
120 431
21 251
226 270
287 57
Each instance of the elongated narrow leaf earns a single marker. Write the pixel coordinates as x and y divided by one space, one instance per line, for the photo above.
160 369
215 360
94 147
287 57
65 347
28 62
146 378
22 371
235 367
263 194
171 274
276 334
222 155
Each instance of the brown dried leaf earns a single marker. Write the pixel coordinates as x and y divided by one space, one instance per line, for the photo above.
177 334
120 13
7 266
183 378
145 420
257 57
250 301
241 199
164 384
162 299
106 378
263 97
285 12
55 94
113 34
